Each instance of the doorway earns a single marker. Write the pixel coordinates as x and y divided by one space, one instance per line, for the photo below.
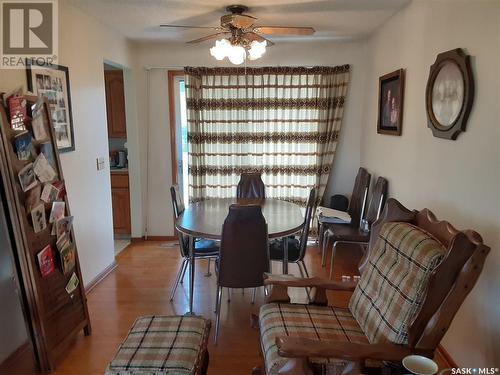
178 131
118 154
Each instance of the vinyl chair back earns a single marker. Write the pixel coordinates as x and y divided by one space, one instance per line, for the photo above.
377 200
178 208
244 254
311 201
251 186
359 196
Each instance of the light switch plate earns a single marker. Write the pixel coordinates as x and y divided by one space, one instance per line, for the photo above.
100 163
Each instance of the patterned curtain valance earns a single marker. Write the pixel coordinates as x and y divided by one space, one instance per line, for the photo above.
281 121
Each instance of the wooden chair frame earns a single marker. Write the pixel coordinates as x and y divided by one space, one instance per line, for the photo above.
449 284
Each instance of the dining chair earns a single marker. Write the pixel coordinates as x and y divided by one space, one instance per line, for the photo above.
356 208
244 252
296 248
203 248
355 235
251 186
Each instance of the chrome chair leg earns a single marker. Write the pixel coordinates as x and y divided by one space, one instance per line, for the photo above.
208 274
325 245
253 296
300 264
178 277
334 251
184 271
305 268
217 319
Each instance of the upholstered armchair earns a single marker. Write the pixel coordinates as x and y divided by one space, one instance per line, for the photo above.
417 273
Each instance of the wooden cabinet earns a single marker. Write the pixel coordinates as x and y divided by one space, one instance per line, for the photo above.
120 197
115 104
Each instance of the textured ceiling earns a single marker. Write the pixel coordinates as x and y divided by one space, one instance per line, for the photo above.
332 19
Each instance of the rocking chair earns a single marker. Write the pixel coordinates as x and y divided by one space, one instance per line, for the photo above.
417 273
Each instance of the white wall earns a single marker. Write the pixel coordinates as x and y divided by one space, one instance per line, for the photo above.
159 217
84 44
458 180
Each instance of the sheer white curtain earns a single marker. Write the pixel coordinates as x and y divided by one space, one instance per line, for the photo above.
281 121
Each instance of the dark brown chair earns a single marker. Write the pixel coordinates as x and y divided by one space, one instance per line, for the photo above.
350 234
296 248
203 248
244 253
356 208
251 186
391 314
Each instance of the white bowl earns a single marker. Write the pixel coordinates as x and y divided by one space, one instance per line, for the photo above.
420 365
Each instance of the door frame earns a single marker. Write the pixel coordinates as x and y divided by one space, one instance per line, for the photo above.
173 132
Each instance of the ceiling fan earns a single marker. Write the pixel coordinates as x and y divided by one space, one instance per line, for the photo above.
239 34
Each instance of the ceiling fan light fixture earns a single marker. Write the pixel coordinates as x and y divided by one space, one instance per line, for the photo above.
257 49
221 49
237 55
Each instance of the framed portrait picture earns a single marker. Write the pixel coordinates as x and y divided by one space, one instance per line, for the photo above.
52 82
390 103
449 94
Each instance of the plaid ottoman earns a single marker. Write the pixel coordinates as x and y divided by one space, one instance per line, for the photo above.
160 345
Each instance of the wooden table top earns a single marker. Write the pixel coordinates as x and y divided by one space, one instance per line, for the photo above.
205 218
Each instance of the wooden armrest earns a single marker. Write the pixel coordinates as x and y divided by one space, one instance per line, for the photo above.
296 347
297 282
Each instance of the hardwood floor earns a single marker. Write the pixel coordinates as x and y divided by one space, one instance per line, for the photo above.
141 285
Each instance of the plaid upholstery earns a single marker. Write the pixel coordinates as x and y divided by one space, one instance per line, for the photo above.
308 321
394 283
162 345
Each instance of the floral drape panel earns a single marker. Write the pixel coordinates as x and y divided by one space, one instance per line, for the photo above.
283 122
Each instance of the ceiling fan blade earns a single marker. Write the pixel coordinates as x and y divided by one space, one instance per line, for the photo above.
191 27
240 21
284 30
208 37
250 36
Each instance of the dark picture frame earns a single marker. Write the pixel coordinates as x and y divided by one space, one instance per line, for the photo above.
52 82
390 103
449 94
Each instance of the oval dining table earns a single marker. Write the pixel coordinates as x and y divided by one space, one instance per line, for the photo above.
204 219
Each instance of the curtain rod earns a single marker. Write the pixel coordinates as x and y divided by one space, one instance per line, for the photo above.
181 67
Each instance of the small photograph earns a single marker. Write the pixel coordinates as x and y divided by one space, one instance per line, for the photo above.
62 133
59 185
60 116
63 226
68 258
43 169
38 217
24 146
38 123
54 85
57 211
46 82
17 111
47 149
49 193
46 261
39 82
32 198
27 177
72 284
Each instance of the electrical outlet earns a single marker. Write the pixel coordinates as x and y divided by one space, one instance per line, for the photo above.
100 163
